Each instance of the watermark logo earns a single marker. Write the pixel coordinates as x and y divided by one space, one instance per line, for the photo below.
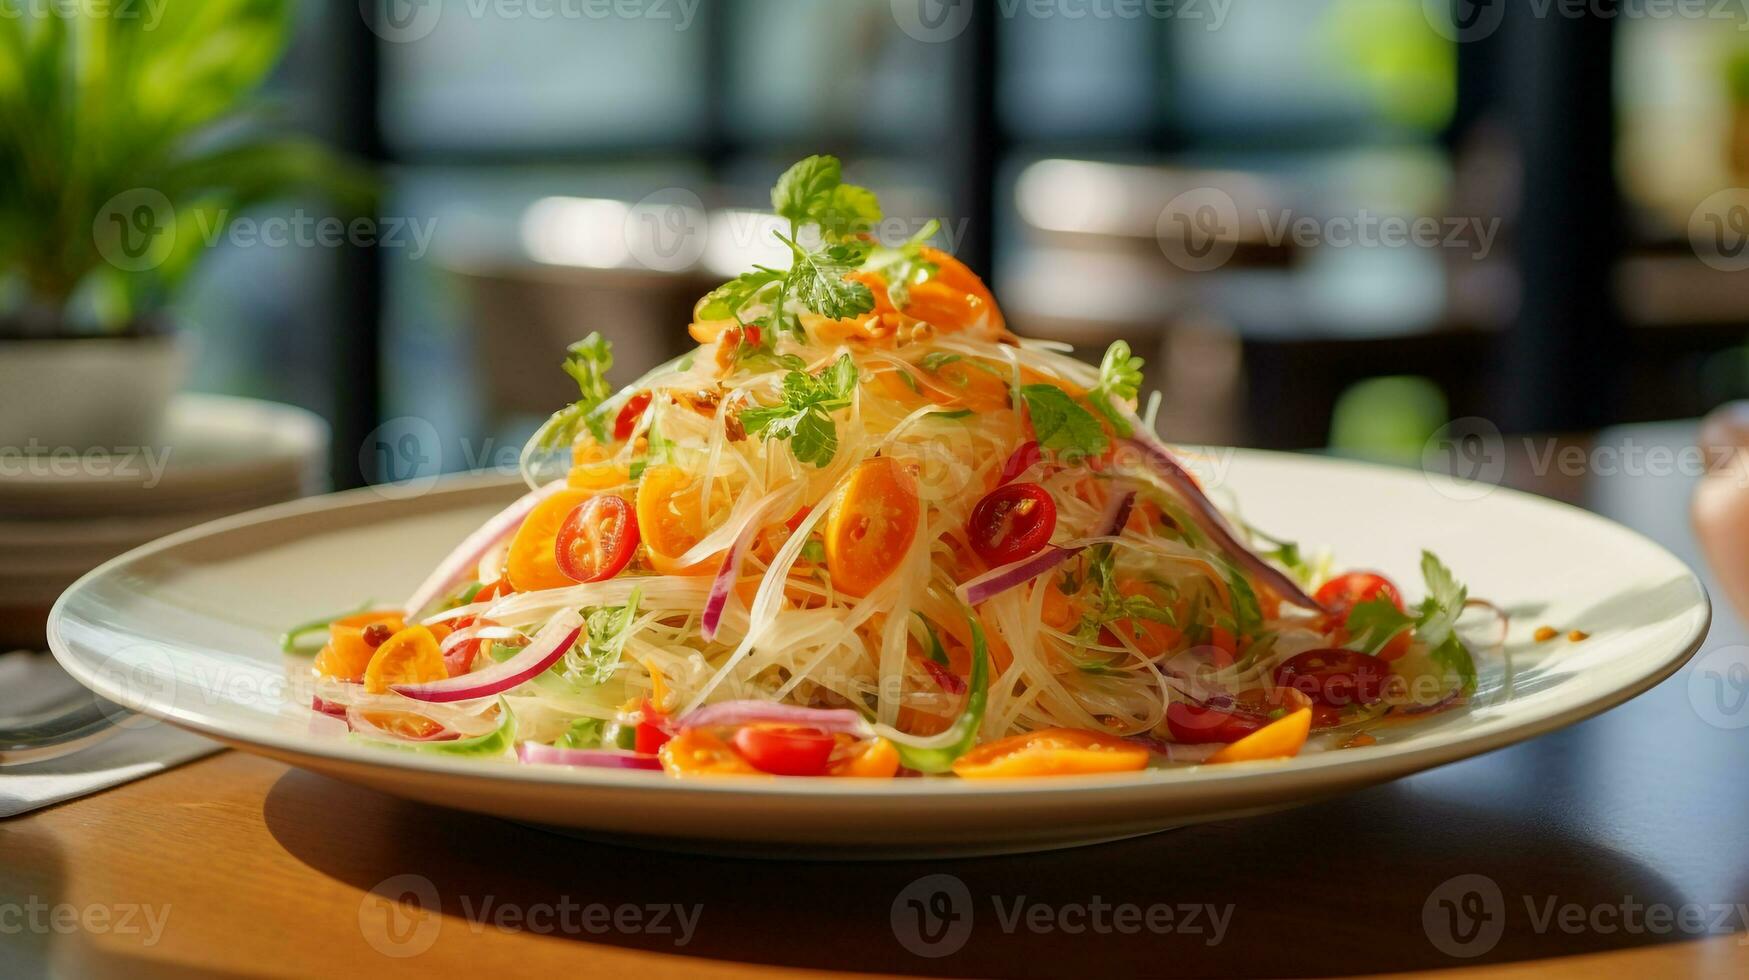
933 21
1465 459
406 454
1462 21
135 231
932 916
401 916
1718 230
1465 916
1199 229
667 231
401 21
1718 687
137 674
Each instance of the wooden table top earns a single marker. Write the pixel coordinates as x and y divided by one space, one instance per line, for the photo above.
1617 847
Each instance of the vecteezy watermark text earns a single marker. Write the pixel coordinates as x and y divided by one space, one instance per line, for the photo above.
404 21
150 13
1466 916
137 230
1475 20
936 21
34 459
934 916
35 916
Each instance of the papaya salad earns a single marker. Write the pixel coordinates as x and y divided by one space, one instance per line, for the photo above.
863 530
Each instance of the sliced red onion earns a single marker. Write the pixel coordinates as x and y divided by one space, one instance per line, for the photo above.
727 714
542 652
1208 517
1019 461
323 706
552 755
461 563
999 580
718 600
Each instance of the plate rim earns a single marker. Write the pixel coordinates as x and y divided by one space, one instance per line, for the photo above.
1360 766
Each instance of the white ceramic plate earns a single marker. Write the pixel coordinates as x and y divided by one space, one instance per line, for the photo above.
219 454
183 630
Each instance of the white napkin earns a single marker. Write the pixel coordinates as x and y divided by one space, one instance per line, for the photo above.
31 682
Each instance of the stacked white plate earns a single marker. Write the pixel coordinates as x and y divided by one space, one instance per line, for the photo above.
63 513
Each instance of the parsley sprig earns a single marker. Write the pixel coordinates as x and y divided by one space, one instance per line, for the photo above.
804 417
587 361
810 194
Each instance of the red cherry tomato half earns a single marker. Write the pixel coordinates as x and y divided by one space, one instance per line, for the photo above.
597 539
1334 678
1012 522
650 737
1197 725
785 751
1344 592
629 415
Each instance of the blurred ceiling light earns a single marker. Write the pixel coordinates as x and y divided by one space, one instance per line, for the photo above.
739 240
1073 196
577 231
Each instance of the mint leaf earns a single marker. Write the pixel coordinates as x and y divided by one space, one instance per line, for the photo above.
850 210
805 190
1062 424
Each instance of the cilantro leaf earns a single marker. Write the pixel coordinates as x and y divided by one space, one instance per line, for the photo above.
904 266
817 279
1061 423
804 417
727 300
606 631
1374 623
587 361
1437 624
1120 378
1444 602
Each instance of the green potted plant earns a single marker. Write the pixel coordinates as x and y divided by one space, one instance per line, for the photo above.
131 136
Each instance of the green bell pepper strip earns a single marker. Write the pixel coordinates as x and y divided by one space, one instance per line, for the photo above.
937 753
288 641
495 742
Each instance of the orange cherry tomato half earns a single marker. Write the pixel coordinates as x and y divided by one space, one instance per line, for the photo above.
871 526
627 420
532 563
873 758
1012 522
408 657
597 540
669 521
1051 752
785 750
1280 739
700 752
